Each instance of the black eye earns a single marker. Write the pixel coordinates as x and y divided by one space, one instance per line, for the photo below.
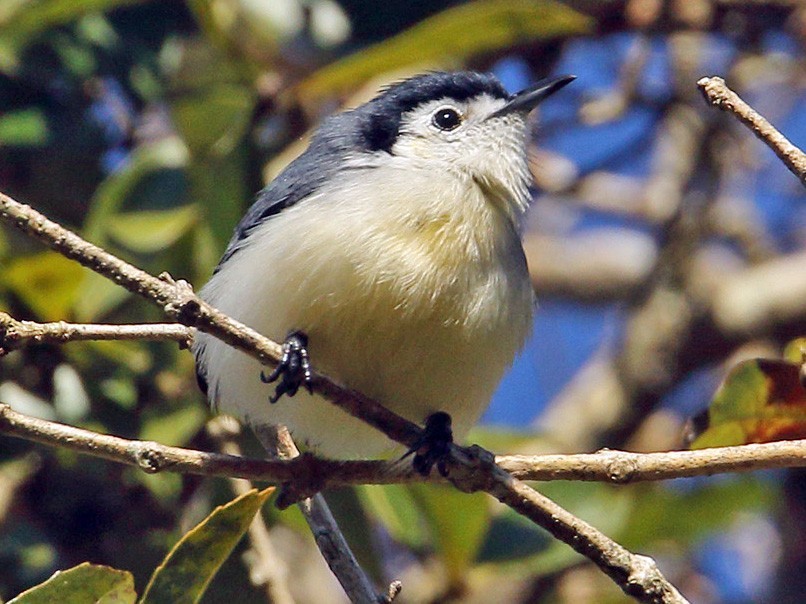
447 118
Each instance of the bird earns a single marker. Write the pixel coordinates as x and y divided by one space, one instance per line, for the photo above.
388 257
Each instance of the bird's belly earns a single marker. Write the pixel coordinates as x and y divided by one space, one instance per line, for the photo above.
414 362
415 331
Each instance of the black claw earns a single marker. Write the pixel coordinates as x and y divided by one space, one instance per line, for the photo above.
294 368
434 446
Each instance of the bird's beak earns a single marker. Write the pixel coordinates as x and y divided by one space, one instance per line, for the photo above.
526 100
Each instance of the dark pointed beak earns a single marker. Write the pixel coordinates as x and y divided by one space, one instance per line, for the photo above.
526 100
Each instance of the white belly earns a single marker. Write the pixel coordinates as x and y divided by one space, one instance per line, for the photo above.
423 311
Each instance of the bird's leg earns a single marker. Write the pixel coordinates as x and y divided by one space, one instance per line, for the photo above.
434 445
294 368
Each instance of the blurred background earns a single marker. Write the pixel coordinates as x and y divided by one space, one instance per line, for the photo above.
662 241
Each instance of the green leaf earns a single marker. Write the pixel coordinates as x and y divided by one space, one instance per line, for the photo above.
47 282
452 35
690 515
795 351
188 569
760 400
26 127
150 231
457 521
167 154
215 118
394 506
97 297
176 427
22 20
82 584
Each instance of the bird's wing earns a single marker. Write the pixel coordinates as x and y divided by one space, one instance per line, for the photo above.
324 158
318 164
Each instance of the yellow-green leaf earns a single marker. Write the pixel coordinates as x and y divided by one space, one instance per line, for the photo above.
166 154
26 127
47 282
82 584
21 20
394 506
97 297
188 569
457 521
150 231
452 35
760 400
795 351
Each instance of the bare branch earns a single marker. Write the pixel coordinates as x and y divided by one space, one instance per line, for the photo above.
313 473
467 474
326 532
16 334
266 567
719 95
622 467
638 576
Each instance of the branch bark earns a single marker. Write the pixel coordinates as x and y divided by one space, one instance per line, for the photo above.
471 469
718 94
310 473
16 334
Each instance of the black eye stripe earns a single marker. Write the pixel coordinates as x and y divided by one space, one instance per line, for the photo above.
446 118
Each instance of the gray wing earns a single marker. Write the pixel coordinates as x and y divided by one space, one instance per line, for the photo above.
319 163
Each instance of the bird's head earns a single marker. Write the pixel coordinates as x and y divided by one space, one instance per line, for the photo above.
463 122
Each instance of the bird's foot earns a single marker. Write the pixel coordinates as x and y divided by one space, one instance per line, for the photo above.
294 368
434 445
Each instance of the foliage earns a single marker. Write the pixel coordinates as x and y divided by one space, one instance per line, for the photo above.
147 127
181 578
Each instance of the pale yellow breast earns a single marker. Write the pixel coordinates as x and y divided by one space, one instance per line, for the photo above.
419 302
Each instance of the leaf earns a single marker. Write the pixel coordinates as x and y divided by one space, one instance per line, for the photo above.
189 567
47 282
175 427
150 231
760 400
212 108
22 20
97 297
795 351
394 506
692 514
455 33
166 154
26 127
457 521
82 584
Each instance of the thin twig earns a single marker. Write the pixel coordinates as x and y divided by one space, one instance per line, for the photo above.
471 470
266 568
178 301
16 334
311 473
326 532
719 95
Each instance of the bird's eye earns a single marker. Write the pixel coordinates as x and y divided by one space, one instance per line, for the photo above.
447 118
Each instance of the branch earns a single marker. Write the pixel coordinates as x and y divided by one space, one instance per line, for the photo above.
471 469
310 474
719 95
178 301
326 532
16 334
266 568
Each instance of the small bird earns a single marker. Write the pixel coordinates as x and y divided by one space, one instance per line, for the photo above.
388 256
